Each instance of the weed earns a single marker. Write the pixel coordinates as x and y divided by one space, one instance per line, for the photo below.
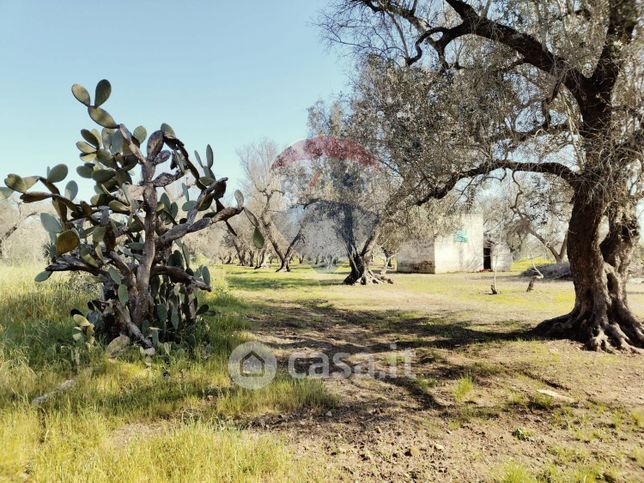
464 386
514 472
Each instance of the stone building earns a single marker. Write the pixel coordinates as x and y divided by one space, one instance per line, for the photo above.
465 250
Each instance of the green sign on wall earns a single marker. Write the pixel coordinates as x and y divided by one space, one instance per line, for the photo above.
460 236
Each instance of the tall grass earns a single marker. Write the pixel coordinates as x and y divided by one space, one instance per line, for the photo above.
178 414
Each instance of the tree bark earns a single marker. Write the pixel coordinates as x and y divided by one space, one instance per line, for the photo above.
261 256
5 237
290 251
388 264
601 318
359 261
12 229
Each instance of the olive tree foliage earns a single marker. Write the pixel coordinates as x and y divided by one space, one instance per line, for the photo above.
348 187
320 244
529 211
129 234
548 87
267 205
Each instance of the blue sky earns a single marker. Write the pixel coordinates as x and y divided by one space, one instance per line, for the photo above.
224 73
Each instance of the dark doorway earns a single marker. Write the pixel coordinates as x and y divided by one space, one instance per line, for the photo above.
487 258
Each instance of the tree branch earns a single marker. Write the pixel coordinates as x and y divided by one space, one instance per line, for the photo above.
556 169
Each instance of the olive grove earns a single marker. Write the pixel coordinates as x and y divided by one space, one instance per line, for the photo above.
463 90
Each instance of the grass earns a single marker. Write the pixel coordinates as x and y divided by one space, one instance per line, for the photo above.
186 413
85 448
464 386
514 472
182 418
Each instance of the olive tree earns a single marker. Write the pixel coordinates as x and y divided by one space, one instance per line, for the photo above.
129 234
546 87
524 209
267 207
344 184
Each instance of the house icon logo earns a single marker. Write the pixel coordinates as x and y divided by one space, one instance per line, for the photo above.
252 365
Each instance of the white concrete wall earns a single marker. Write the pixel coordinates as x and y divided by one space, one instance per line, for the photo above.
461 251
416 256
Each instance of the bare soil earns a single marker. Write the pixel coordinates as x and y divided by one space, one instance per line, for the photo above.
483 397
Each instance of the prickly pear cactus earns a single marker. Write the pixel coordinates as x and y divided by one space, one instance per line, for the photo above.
128 235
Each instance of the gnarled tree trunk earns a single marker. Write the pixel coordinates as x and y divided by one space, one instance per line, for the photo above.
600 318
290 251
261 256
359 261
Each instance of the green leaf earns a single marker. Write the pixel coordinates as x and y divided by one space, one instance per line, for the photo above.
81 94
50 223
210 157
103 91
174 318
140 134
91 138
165 199
85 171
176 259
102 117
118 207
42 276
167 347
162 313
206 180
189 205
98 234
89 259
102 175
123 294
88 157
19 184
154 333
66 242
104 156
186 254
258 239
71 190
115 275
85 147
205 274
57 173
167 130
174 210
